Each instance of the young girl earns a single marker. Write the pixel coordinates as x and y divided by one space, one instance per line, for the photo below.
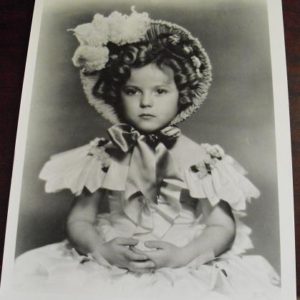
155 214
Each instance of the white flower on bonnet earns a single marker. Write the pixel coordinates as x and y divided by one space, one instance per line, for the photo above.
91 58
92 54
125 29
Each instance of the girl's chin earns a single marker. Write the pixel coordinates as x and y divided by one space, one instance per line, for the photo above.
149 130
149 127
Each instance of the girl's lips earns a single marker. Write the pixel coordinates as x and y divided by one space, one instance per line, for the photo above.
146 116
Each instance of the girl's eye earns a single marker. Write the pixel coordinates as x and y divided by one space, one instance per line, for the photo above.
130 92
161 91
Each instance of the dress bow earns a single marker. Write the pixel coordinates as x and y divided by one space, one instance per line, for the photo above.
152 176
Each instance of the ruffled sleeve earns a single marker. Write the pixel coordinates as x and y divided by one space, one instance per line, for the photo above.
217 176
75 169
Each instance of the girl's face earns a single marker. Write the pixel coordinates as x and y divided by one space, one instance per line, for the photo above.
150 98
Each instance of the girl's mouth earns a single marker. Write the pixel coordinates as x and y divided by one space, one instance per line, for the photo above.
146 116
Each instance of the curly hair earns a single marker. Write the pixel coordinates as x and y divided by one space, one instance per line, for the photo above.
162 46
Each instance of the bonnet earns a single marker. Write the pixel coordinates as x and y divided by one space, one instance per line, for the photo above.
93 55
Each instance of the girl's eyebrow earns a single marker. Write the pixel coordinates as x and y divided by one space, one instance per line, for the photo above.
165 83
130 86
126 86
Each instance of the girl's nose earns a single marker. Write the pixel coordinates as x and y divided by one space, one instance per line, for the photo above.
146 100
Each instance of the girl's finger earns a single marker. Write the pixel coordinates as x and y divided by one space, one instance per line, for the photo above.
155 244
138 251
126 241
155 256
133 256
100 259
141 266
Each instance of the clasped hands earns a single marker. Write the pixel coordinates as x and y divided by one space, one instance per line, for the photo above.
123 253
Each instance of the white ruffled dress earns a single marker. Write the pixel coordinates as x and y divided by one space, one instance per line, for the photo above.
178 216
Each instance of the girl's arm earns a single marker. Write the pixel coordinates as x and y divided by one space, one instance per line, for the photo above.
84 236
218 235
81 222
216 238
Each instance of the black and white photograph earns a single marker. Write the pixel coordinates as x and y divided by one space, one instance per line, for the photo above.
153 154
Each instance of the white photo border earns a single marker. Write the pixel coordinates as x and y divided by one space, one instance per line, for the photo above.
283 149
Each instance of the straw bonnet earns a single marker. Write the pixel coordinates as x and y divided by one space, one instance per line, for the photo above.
93 55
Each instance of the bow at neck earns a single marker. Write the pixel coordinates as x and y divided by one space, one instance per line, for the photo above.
126 137
153 177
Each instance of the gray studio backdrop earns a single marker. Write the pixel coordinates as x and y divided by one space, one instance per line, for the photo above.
238 113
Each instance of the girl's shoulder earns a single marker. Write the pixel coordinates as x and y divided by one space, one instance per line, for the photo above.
188 152
80 167
212 174
188 145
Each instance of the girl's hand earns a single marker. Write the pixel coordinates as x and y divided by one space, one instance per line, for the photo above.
118 252
165 254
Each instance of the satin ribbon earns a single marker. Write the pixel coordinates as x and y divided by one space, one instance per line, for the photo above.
151 169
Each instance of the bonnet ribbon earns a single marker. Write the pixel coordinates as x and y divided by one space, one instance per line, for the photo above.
152 173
